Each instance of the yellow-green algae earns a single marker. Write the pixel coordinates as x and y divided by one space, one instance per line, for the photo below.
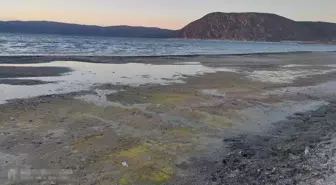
124 181
150 173
184 131
220 121
156 173
164 98
148 163
170 98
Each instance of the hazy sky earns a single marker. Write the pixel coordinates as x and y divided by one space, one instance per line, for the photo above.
160 13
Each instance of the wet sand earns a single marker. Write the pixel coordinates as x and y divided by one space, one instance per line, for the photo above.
250 119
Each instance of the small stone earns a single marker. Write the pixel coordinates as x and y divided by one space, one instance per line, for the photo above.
124 164
298 114
214 179
12 119
333 152
306 152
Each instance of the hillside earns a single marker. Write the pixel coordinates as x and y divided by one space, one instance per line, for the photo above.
44 27
257 27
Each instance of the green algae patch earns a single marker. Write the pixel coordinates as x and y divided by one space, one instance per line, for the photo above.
170 98
184 131
21 124
135 152
124 181
162 98
150 173
139 154
216 121
157 174
148 163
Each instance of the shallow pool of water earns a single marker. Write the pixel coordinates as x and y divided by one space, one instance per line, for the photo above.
85 75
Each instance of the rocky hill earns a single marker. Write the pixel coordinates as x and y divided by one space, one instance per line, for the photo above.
257 27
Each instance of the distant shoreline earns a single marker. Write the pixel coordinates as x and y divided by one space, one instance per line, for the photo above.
29 59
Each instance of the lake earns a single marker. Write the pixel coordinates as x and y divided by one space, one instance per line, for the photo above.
29 44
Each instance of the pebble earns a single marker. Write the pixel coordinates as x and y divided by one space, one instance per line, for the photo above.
124 164
306 152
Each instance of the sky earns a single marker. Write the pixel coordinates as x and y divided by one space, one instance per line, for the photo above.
172 14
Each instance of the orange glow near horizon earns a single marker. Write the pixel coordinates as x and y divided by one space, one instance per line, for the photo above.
100 19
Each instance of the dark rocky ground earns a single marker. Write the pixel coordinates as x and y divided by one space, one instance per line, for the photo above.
300 150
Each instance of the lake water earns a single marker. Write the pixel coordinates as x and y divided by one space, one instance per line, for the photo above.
26 44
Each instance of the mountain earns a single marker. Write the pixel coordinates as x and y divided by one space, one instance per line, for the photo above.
45 27
224 26
257 27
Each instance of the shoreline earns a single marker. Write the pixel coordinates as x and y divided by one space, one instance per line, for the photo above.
27 59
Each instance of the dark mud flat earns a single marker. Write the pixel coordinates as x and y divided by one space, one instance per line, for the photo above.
168 59
15 72
300 150
91 59
22 82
